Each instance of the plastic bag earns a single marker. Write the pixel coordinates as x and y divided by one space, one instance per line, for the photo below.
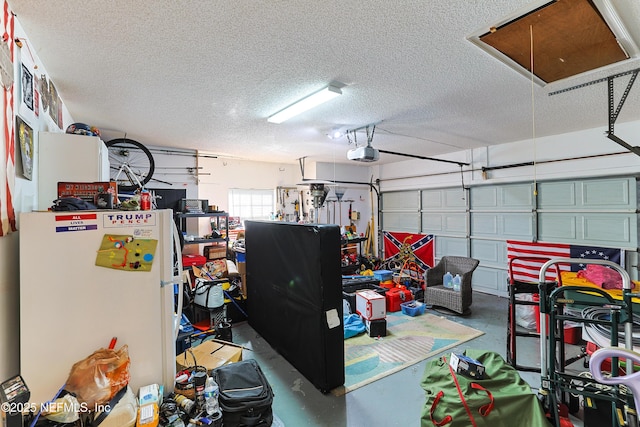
353 325
97 378
602 276
65 409
526 314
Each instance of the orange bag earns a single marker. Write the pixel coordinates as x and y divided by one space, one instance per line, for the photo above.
97 378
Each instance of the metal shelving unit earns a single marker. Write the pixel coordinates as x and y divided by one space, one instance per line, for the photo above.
181 221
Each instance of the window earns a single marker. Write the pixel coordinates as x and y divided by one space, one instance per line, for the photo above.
251 204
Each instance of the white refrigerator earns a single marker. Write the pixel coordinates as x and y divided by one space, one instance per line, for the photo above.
70 307
57 155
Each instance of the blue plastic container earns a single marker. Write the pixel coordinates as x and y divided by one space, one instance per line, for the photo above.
412 308
383 275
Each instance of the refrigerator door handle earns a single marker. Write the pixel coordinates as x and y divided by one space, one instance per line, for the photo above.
178 279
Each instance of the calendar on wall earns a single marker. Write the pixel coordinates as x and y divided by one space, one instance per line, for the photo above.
6 65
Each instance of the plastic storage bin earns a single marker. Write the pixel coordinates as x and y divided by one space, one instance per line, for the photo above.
412 308
383 275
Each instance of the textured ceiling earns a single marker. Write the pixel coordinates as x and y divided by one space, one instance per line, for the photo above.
206 74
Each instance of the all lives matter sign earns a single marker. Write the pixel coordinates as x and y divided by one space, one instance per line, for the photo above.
76 222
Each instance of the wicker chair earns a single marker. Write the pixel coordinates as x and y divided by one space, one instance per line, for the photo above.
437 295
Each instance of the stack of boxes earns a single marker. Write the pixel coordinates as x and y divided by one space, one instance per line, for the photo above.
371 306
395 295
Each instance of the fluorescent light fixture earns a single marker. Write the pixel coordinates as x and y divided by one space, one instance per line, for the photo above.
305 104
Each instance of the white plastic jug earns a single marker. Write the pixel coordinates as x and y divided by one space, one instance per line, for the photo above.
456 282
447 280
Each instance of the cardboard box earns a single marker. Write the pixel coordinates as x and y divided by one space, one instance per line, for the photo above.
467 366
242 269
370 305
209 354
376 328
149 394
215 251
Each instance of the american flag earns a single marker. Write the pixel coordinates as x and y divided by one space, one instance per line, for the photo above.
420 244
527 269
7 168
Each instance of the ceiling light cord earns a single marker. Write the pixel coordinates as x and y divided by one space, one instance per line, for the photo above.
462 180
533 116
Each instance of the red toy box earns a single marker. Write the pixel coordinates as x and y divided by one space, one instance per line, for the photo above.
397 296
191 260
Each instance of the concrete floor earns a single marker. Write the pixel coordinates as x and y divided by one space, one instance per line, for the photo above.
395 400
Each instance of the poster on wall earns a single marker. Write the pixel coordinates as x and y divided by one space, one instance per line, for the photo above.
25 140
27 87
50 100
43 88
54 102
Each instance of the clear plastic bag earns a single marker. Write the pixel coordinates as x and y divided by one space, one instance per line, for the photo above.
98 377
64 410
525 314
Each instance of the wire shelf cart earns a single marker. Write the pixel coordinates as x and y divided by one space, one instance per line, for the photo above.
558 386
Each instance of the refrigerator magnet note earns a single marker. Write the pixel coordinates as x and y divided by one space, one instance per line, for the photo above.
123 252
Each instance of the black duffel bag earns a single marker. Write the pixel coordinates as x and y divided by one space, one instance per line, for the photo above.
245 394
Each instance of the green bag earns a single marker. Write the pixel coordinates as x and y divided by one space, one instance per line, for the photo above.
501 399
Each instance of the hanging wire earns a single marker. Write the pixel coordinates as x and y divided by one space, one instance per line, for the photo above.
533 115
462 180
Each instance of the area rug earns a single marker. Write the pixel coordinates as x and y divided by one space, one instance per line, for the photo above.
409 340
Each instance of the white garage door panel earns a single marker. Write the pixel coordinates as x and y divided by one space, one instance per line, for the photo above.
608 229
401 221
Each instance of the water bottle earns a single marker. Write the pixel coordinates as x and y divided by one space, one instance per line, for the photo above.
211 396
456 283
447 280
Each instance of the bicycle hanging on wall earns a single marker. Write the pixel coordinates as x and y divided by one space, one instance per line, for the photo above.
131 164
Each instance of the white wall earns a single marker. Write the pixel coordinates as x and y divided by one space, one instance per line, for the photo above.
225 174
24 200
228 174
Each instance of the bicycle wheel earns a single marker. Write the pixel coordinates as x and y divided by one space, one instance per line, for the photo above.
131 163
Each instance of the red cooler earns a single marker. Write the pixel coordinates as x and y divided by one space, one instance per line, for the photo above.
397 296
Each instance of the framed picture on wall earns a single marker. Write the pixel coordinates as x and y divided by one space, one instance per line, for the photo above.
25 141
27 87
